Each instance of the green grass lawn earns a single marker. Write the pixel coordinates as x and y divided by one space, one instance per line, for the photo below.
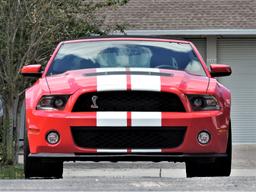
11 172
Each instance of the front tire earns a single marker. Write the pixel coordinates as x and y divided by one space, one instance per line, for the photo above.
221 167
40 168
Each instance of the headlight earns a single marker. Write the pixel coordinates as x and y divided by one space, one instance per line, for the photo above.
203 102
52 102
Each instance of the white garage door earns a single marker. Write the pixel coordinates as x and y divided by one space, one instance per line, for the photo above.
241 55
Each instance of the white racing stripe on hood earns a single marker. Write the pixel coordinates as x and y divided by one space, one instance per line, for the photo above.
145 69
148 119
113 119
111 82
145 82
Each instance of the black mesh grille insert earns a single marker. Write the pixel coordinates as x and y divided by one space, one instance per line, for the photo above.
129 101
132 137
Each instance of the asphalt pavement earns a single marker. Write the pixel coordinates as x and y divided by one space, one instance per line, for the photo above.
144 176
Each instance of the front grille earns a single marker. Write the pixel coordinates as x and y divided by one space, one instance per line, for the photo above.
129 101
132 137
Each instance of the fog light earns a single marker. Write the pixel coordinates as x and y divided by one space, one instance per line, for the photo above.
52 137
203 137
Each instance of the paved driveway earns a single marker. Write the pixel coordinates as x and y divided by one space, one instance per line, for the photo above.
144 176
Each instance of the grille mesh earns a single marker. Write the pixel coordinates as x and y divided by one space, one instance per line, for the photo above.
129 101
132 137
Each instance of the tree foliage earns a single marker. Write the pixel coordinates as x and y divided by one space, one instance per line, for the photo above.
29 30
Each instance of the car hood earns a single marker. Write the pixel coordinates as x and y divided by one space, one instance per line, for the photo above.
144 79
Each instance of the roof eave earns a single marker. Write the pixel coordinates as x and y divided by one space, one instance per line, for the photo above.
189 32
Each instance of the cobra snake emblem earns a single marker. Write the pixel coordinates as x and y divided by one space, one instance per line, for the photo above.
94 102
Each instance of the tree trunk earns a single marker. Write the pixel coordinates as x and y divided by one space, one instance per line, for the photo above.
9 133
4 125
9 130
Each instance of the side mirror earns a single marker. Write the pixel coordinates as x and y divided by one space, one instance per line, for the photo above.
220 70
31 70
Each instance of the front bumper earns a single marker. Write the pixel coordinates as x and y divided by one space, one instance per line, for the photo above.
127 157
39 123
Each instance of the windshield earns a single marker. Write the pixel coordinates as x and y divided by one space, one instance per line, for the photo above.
139 54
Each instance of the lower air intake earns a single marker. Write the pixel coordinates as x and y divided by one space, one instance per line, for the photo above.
132 137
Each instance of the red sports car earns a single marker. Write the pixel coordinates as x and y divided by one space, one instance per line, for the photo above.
127 99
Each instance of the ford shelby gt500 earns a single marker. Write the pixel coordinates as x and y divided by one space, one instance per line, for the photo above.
127 99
